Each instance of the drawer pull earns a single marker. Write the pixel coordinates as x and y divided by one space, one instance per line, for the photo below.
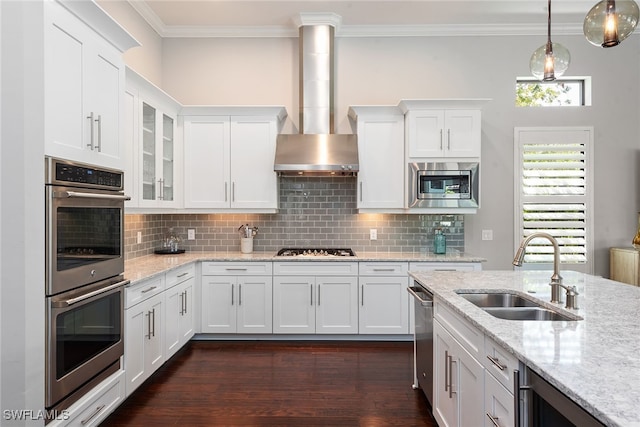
144 291
236 268
384 269
93 414
183 274
494 420
496 362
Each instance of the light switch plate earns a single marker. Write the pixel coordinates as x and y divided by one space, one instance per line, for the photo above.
139 237
373 234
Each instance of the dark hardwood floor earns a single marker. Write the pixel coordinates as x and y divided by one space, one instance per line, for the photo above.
213 383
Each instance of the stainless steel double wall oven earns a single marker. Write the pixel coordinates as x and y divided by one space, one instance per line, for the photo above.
84 278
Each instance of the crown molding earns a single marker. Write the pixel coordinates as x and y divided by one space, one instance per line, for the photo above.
452 30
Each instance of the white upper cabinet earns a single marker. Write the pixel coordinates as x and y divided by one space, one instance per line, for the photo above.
153 146
229 158
442 129
84 85
381 178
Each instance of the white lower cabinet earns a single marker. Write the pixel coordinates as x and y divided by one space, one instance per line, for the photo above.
144 339
179 318
323 301
237 297
458 382
473 375
96 405
384 301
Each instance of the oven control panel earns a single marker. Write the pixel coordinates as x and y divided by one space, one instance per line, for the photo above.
70 173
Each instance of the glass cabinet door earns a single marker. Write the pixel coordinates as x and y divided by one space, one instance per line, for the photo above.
167 158
148 152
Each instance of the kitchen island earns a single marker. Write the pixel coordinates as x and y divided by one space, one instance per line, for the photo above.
594 361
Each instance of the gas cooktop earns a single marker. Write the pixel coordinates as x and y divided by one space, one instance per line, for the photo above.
315 252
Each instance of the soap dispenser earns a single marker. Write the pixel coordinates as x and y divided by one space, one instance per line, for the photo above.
439 242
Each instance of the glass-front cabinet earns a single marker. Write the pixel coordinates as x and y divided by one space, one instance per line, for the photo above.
158 149
153 146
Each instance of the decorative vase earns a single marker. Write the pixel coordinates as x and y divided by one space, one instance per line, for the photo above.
636 238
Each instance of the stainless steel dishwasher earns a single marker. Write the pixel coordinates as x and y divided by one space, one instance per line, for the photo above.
423 340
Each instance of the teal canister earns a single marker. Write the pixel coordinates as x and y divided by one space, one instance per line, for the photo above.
439 242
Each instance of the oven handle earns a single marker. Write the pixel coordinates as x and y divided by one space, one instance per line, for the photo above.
78 195
72 301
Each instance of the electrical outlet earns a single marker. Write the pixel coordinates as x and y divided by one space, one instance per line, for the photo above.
487 234
139 237
191 234
373 234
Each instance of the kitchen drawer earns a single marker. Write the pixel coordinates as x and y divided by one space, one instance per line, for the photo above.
141 291
499 403
236 268
462 330
499 362
179 275
383 268
94 407
445 266
315 268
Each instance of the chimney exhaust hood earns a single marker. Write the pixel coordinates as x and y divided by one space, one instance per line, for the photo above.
317 150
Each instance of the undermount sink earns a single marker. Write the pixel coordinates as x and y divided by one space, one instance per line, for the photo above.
511 306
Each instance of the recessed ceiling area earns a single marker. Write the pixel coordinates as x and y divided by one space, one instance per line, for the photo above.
272 18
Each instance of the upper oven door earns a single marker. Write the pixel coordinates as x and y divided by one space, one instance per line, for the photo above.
85 236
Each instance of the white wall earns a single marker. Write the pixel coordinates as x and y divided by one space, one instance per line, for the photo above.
146 59
386 70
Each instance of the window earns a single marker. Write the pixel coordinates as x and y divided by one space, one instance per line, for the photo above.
553 194
562 92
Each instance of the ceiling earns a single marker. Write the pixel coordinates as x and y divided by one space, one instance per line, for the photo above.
267 18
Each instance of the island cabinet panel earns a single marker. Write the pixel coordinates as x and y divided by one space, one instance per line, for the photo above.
625 265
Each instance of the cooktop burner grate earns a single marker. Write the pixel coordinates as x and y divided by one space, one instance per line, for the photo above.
311 252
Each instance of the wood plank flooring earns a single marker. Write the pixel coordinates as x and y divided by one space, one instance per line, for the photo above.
213 383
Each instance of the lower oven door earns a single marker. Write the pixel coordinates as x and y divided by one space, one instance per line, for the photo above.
85 330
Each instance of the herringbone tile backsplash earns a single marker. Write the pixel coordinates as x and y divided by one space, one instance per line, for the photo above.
314 212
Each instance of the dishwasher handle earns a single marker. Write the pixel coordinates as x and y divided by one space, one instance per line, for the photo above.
417 292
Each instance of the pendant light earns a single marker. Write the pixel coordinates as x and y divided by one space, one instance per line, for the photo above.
550 60
609 22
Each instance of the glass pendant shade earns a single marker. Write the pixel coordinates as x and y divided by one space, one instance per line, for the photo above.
548 66
610 21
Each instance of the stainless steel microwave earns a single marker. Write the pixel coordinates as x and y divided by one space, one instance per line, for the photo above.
443 185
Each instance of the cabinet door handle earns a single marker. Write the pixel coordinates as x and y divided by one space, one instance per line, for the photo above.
239 293
160 189
494 420
362 295
448 139
311 293
360 190
496 362
233 191
226 185
185 302
99 133
153 314
148 324
232 289
451 362
91 121
318 294
93 414
446 370
440 139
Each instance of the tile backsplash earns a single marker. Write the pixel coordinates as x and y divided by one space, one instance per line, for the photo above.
314 212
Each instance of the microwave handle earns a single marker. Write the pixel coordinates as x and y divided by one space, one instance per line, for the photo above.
78 195
71 301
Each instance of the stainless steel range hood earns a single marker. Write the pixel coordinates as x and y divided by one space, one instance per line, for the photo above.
317 150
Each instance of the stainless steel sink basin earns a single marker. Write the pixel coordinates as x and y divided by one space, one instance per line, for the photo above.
501 299
511 306
525 313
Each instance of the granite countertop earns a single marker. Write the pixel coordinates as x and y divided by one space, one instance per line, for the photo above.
145 267
594 361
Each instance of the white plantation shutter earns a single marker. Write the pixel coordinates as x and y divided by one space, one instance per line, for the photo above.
553 193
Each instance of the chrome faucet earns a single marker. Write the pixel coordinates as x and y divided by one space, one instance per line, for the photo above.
556 279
